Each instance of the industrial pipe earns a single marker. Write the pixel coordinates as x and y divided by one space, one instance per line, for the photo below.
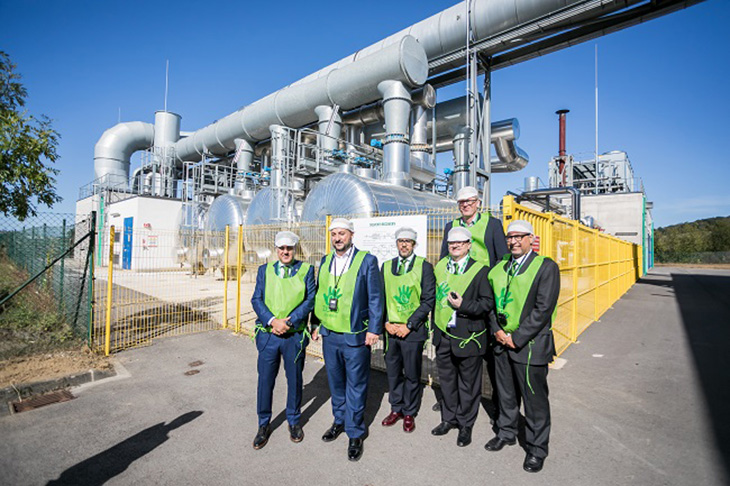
115 147
396 149
552 191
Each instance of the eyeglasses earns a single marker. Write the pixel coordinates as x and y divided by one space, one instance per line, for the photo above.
468 202
517 237
285 248
404 240
458 243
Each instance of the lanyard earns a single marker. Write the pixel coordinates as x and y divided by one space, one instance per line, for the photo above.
334 265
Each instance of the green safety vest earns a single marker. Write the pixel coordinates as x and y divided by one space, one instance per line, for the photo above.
283 295
511 302
403 292
478 247
448 282
339 320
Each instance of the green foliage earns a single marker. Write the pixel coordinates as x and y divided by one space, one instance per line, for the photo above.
27 143
704 240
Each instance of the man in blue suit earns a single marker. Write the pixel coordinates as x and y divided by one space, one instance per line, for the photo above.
283 299
349 306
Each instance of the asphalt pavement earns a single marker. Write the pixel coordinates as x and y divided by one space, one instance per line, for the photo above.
640 399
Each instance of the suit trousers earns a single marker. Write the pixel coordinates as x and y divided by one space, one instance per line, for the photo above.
272 349
403 363
461 385
348 373
512 383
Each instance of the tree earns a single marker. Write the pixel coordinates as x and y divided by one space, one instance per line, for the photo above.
27 144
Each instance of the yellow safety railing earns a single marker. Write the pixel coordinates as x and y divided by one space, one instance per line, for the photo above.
596 269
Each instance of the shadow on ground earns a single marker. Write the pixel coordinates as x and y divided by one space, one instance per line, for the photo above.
104 466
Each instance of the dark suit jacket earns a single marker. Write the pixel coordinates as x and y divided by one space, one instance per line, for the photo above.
535 317
367 303
299 315
417 321
478 301
493 239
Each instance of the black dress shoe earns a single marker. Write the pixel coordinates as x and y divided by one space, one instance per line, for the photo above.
443 428
296 433
497 444
533 464
333 432
436 407
354 450
464 438
262 437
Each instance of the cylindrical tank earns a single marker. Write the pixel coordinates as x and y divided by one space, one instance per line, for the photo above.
532 183
188 242
225 210
348 194
263 211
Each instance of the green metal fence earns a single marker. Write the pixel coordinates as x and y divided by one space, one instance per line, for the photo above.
46 272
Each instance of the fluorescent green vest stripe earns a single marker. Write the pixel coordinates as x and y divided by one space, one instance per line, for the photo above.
478 247
447 282
339 320
403 292
283 295
511 303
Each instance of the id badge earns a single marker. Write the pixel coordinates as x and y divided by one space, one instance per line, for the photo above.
333 304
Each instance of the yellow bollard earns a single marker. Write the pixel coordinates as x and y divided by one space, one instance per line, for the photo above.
238 278
327 244
108 328
225 279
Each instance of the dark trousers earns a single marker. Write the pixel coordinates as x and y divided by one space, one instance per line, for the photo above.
512 383
461 385
403 362
348 373
272 349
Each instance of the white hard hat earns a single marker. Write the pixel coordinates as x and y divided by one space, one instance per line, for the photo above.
342 223
467 192
520 226
286 238
458 233
406 234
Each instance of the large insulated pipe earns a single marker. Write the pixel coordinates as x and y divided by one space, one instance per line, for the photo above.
329 125
423 168
510 157
349 86
167 132
462 174
396 147
115 147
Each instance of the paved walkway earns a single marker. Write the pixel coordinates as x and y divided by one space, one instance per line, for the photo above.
642 399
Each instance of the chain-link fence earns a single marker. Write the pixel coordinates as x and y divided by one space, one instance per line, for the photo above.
45 283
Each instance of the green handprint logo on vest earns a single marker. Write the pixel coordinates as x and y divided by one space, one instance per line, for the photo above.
332 293
504 298
441 292
404 295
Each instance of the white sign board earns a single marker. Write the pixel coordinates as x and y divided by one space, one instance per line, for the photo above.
377 235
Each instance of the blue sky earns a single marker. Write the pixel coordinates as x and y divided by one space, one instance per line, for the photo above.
662 85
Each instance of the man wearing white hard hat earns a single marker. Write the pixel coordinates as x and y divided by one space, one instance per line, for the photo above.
349 309
282 300
526 289
463 301
410 292
487 245
487 235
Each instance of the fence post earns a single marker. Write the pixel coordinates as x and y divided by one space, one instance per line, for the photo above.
225 278
90 291
239 247
576 273
61 303
107 329
327 242
596 274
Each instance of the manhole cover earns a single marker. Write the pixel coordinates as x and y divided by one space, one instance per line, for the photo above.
42 401
192 372
195 363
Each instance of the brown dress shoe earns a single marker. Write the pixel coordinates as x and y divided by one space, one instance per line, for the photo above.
391 419
409 423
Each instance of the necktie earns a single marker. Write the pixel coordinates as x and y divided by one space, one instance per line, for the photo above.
402 267
513 268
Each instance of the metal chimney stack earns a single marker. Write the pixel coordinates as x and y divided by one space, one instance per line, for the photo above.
561 149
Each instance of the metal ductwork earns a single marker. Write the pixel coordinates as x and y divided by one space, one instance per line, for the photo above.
555 191
510 158
348 86
115 147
